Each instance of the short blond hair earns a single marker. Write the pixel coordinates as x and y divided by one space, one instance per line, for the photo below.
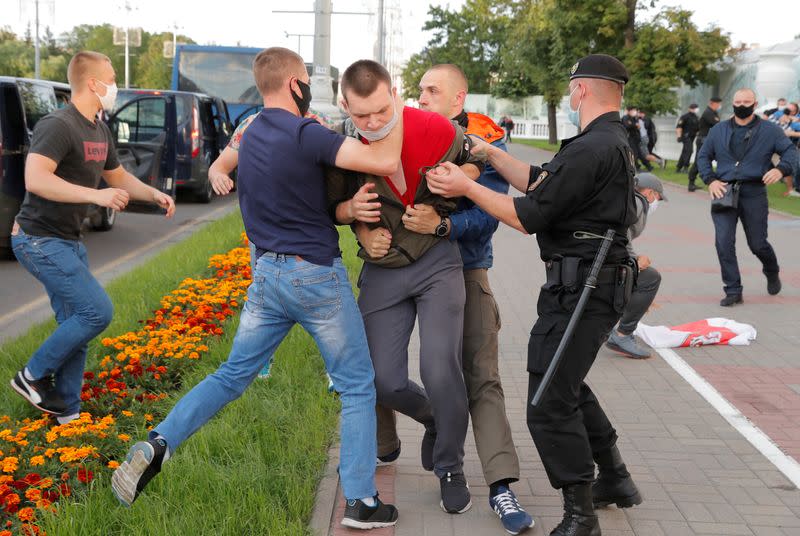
455 74
81 66
273 66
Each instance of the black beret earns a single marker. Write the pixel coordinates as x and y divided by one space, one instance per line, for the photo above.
715 99
600 66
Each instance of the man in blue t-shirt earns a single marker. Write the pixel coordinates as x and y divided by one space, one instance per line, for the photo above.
299 279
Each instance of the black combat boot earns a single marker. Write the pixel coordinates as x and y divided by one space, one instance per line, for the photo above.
614 483
579 517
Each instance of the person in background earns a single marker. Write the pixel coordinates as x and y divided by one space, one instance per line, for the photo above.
709 118
649 193
743 147
686 131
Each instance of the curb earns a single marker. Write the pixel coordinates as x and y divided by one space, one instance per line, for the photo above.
326 496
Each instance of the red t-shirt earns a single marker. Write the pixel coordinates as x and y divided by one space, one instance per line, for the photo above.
427 137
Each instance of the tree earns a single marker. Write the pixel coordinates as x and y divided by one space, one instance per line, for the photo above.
548 37
153 69
471 38
667 51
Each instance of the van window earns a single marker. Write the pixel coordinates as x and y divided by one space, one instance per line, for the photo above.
140 120
183 108
38 100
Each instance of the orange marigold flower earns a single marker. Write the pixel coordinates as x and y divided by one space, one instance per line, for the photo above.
33 494
10 464
127 413
148 417
6 533
46 483
26 514
113 464
124 437
37 460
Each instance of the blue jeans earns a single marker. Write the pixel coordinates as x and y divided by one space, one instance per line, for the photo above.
287 290
83 310
753 211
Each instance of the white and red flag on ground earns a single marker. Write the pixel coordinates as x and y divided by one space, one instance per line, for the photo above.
700 333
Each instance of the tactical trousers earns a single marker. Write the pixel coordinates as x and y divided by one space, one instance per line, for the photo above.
569 425
686 153
693 169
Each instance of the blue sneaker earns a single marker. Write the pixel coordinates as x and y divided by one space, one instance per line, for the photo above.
266 371
511 514
331 389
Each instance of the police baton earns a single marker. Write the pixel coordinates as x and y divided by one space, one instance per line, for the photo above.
591 283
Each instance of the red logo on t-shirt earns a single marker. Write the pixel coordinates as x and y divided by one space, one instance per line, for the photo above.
95 151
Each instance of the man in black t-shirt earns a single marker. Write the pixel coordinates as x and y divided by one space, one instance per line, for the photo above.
709 118
70 152
686 131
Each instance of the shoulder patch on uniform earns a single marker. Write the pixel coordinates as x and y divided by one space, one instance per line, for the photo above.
535 184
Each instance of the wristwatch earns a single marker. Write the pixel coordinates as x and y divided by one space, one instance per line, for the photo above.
441 229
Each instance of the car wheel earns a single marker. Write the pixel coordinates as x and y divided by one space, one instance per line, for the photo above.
107 218
205 193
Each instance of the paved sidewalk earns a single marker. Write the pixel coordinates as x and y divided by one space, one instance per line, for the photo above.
698 475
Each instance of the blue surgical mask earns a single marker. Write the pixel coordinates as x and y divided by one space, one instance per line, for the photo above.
574 116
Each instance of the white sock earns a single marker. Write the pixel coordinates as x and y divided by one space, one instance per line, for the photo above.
28 375
369 501
167 452
64 419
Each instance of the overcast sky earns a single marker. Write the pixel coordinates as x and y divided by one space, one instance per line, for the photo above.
253 22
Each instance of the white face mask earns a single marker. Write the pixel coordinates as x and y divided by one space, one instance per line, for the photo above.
653 206
377 135
107 101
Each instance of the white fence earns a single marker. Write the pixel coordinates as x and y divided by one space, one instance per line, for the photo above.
666 146
538 130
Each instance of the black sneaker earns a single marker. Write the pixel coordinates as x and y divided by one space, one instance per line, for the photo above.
142 464
389 459
731 299
773 284
358 515
426 450
40 393
455 493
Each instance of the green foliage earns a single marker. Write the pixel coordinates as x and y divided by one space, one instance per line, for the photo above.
472 38
148 67
548 36
667 51
515 48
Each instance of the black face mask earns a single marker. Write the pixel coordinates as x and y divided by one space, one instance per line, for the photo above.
303 102
743 112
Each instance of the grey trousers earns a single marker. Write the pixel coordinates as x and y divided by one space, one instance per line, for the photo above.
390 301
641 298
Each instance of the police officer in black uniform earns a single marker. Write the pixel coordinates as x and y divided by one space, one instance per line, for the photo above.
570 203
686 131
709 118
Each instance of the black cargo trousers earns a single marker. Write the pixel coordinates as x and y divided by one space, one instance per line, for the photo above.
569 425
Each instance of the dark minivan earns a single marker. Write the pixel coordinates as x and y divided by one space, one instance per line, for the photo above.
168 139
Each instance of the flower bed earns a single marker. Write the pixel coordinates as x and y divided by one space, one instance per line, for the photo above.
42 462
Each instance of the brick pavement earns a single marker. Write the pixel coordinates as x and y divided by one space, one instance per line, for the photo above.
698 475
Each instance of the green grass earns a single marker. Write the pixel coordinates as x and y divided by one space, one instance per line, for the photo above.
777 200
254 468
